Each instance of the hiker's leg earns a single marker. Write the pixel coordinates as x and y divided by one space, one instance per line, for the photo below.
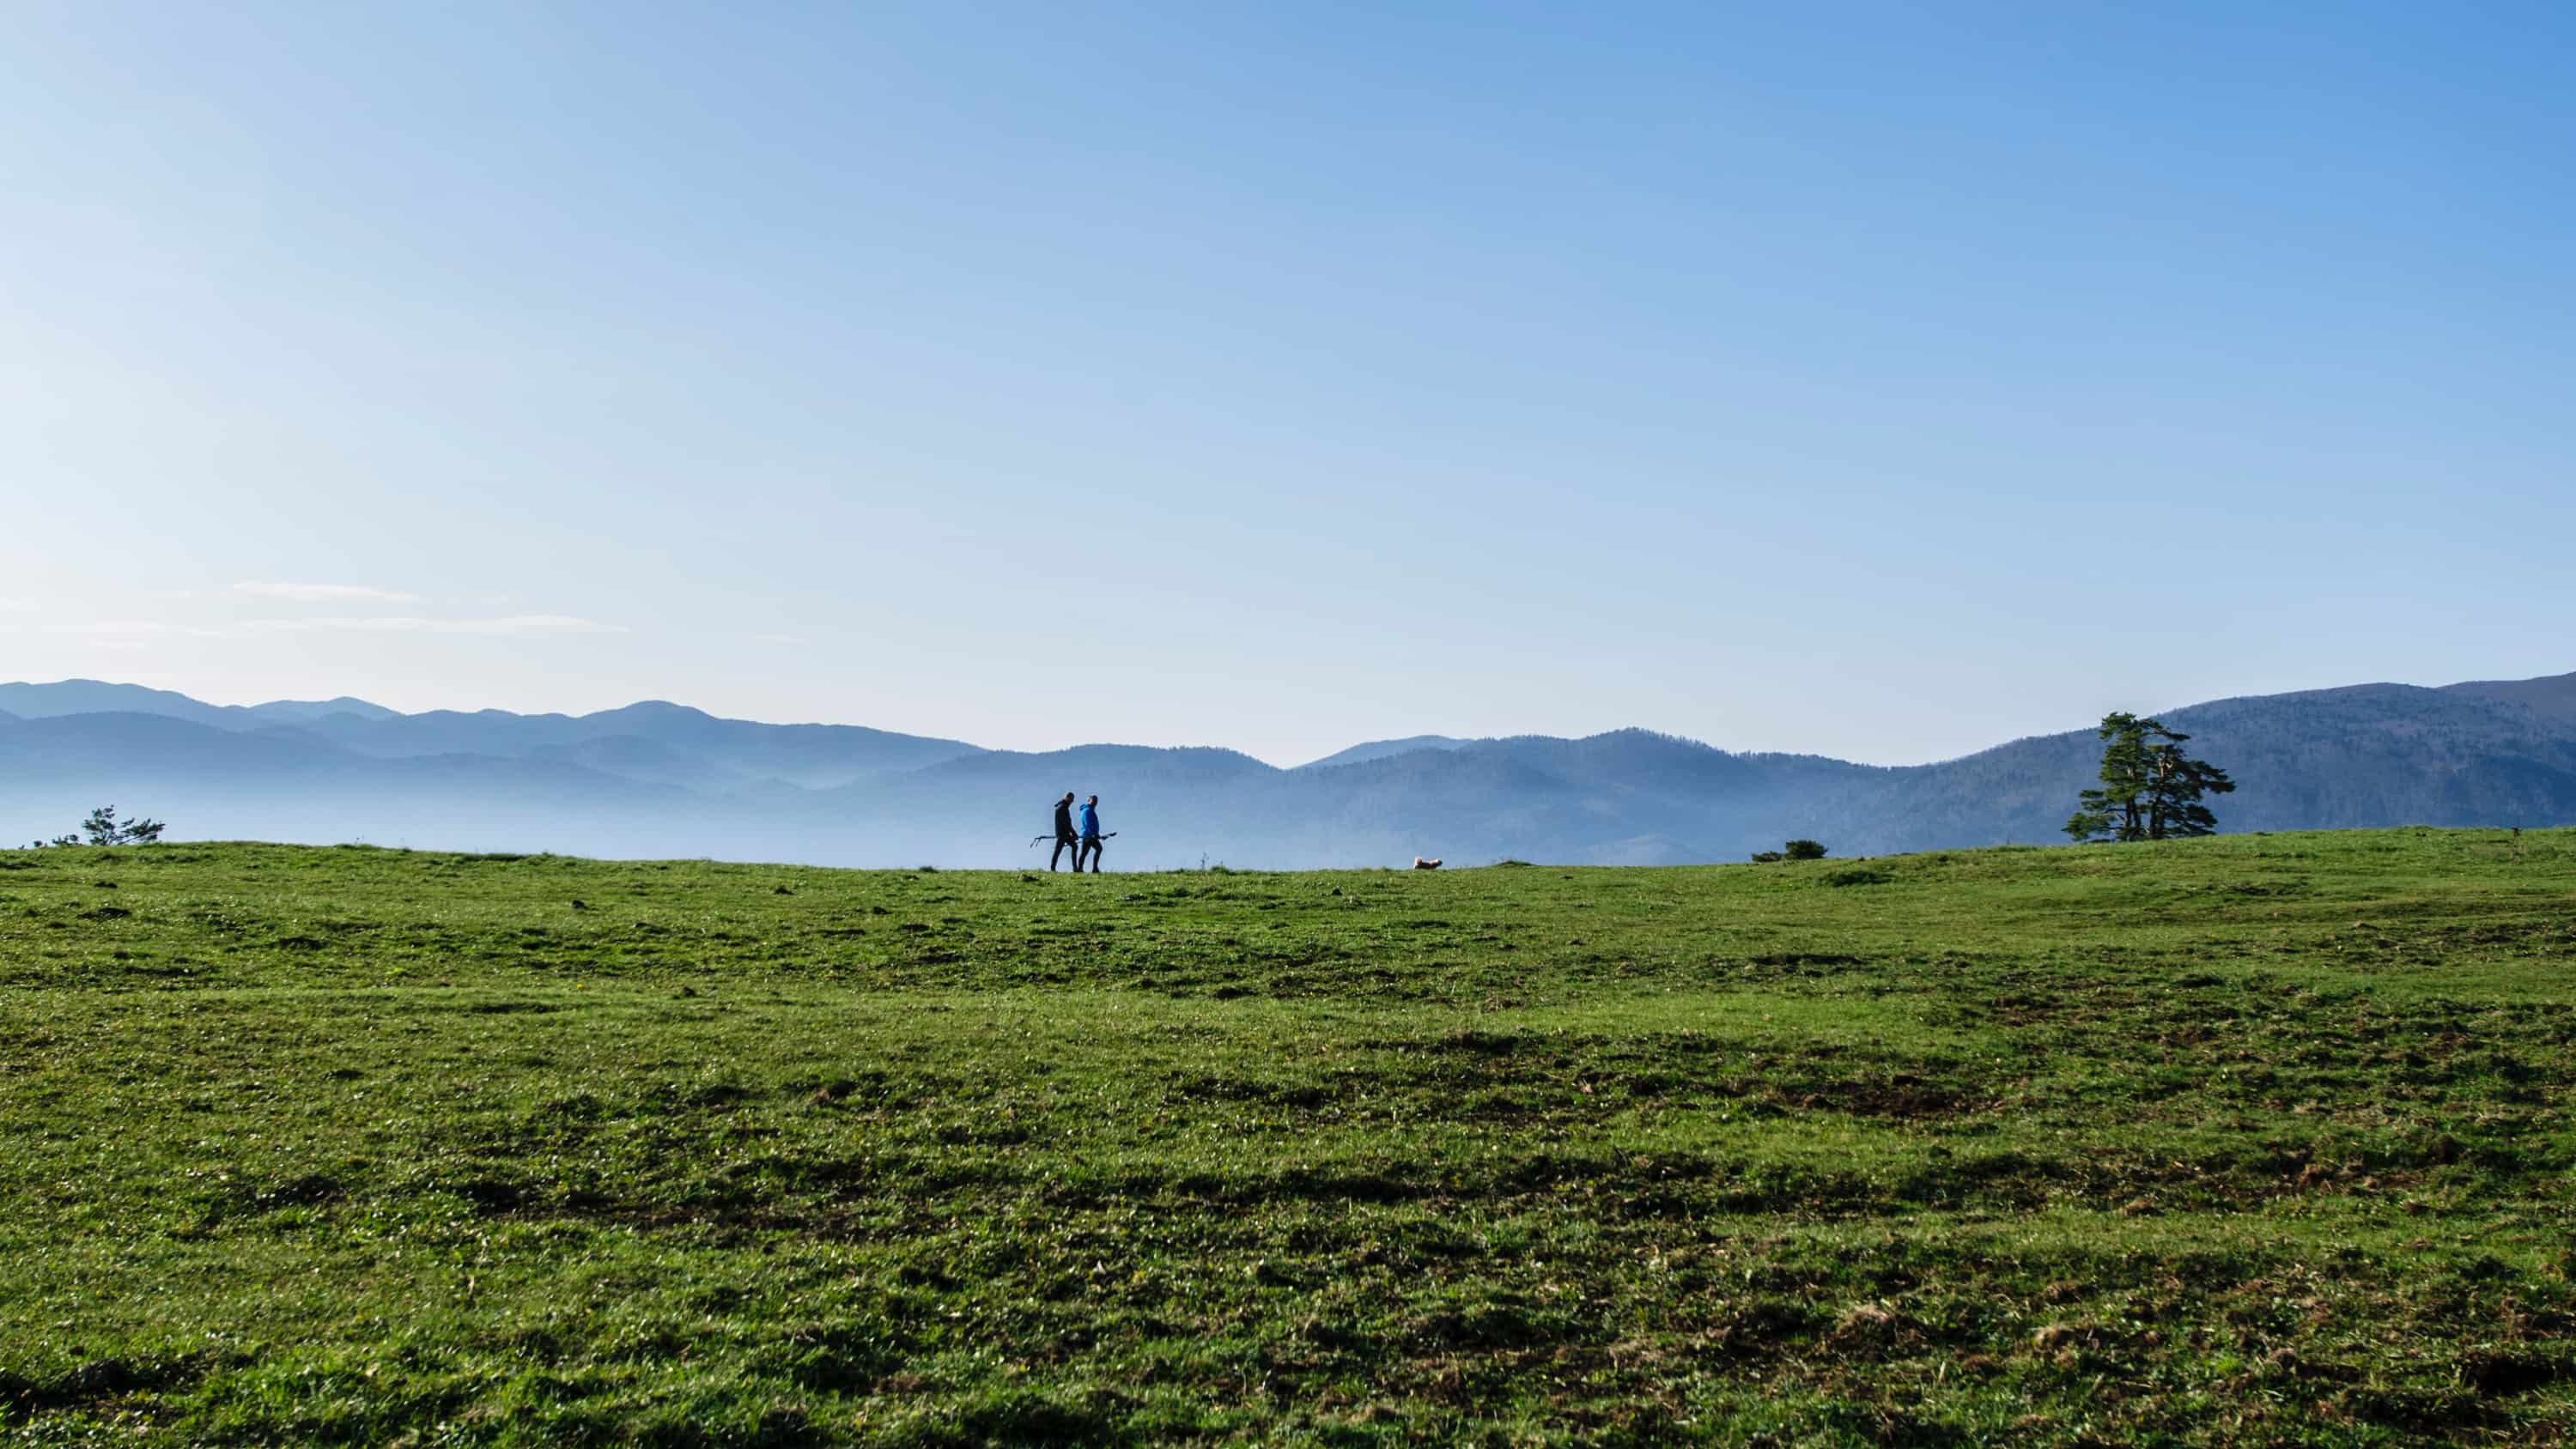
1057 854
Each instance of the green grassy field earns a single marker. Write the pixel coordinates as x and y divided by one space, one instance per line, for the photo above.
2242 1140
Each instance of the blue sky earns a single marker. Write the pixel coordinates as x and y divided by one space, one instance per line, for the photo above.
1879 380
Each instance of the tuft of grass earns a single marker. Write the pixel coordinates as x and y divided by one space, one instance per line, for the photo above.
2247 1140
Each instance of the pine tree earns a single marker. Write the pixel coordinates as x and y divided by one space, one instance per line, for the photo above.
2150 789
2114 810
2175 783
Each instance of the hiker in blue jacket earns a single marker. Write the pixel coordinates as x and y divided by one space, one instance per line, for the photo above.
1090 837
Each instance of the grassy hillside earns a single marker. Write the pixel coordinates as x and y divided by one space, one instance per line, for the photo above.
2243 1140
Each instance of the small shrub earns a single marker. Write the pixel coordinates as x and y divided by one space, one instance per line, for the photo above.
1804 850
1767 857
103 828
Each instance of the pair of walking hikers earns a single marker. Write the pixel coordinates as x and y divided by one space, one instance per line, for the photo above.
1087 844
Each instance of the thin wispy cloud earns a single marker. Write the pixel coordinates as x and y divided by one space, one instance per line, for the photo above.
130 631
413 624
325 593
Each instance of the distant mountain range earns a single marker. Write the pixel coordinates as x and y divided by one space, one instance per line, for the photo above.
660 779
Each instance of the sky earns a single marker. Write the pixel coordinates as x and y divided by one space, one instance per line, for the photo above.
1876 380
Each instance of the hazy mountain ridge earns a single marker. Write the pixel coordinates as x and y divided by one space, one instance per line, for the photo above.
656 778
92 696
1384 749
815 755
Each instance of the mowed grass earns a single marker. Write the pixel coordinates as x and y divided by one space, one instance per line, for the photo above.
2242 1140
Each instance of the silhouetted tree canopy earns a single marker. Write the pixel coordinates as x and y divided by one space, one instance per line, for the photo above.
2150 789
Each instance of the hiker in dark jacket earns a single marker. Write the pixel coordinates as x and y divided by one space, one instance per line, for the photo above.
1064 835
1090 836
